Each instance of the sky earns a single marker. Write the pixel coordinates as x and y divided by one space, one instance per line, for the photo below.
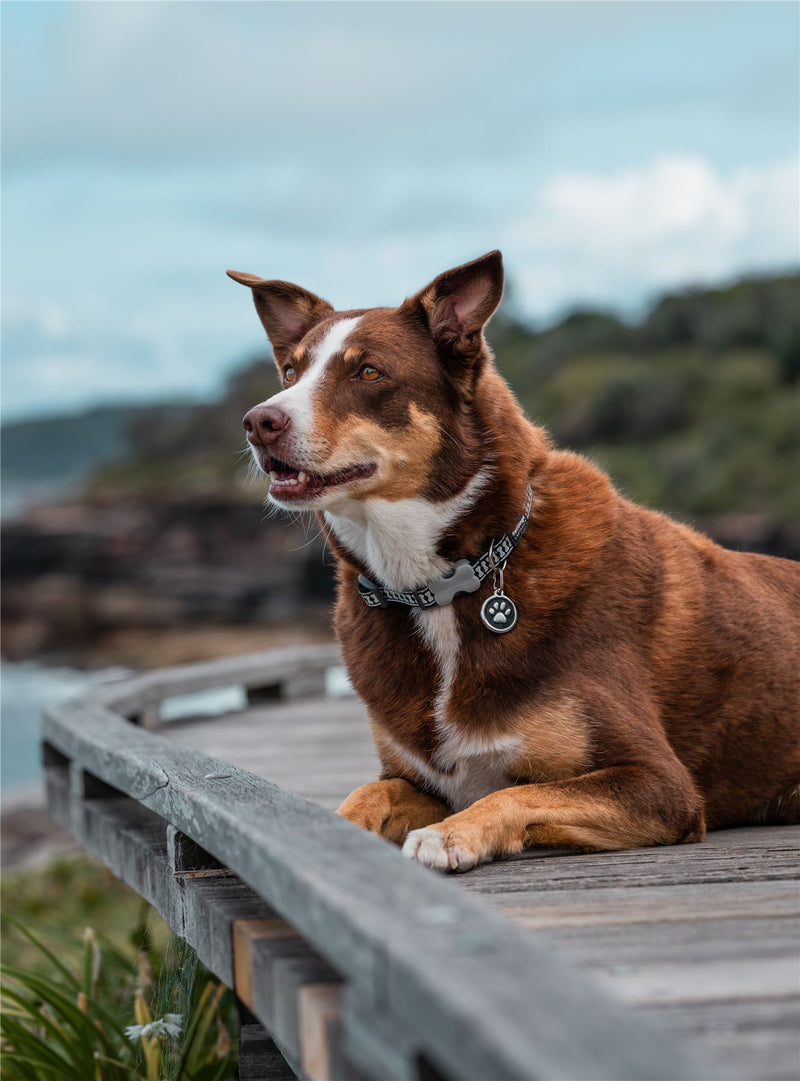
611 150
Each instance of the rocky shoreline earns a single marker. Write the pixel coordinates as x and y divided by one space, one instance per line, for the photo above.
78 578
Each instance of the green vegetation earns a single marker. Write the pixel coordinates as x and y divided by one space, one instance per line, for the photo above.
132 1004
73 891
695 409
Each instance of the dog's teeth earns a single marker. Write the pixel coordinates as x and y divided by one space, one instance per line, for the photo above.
301 477
292 480
273 475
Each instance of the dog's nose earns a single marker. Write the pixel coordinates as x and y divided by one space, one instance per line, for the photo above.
264 423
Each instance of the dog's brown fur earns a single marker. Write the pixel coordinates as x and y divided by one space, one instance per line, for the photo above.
652 680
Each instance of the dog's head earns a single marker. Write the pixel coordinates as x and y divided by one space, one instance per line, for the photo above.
375 403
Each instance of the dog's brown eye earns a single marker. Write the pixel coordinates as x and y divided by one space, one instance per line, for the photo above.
369 374
289 375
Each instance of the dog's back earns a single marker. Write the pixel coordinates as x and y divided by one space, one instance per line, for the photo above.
718 633
733 715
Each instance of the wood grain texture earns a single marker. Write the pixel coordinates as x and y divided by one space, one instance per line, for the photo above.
245 934
297 667
320 1009
259 1057
677 933
473 990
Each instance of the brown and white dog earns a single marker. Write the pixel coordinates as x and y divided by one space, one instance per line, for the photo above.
649 690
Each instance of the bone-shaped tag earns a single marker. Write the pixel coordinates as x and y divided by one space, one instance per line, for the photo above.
461 579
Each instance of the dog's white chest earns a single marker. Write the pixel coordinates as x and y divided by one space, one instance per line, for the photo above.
469 778
472 779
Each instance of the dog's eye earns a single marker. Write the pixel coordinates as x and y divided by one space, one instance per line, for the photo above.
289 375
369 374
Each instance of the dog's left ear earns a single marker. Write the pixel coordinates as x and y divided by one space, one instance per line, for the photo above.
287 311
459 303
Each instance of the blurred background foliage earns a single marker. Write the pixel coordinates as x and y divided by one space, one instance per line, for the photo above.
693 410
145 539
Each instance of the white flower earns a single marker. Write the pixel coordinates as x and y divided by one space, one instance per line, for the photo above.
170 1024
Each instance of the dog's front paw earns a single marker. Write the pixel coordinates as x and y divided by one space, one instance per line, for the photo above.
369 807
391 808
442 849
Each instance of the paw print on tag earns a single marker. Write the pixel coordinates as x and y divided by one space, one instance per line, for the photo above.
499 614
499 611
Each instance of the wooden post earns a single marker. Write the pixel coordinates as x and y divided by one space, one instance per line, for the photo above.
259 1057
320 1009
245 934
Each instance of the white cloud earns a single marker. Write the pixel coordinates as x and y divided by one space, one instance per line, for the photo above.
115 281
616 238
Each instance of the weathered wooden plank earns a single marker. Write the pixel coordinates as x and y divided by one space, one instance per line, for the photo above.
245 934
319 718
320 1009
132 841
211 906
479 995
263 669
619 905
719 980
56 786
259 1057
376 1045
641 868
766 1056
710 939
236 739
281 966
754 838
288 974
756 1039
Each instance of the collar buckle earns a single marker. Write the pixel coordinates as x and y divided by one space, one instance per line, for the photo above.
372 594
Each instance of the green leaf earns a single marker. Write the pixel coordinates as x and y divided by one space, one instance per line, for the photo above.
197 1029
62 1005
65 972
34 1049
79 1054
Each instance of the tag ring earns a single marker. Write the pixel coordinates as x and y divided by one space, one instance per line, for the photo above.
497 570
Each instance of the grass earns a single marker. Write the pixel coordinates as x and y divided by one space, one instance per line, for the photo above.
96 988
74 891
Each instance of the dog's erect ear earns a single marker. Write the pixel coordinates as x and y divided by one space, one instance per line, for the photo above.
287 311
460 302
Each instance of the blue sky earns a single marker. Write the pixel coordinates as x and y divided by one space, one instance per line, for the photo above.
610 149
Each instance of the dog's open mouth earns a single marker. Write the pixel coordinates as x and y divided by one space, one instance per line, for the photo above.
289 483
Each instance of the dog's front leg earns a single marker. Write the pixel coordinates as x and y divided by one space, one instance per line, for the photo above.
614 808
391 808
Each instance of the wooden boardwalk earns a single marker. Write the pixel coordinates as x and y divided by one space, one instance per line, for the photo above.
700 942
705 937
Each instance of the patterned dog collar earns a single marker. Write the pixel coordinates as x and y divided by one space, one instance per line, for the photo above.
464 577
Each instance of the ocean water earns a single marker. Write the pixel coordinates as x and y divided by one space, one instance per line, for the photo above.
25 689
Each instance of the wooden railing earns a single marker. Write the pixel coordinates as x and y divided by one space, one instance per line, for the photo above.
359 963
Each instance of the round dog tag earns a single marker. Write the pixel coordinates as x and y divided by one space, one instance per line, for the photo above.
499 613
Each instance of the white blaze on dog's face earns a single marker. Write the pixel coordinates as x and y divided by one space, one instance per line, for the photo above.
374 403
